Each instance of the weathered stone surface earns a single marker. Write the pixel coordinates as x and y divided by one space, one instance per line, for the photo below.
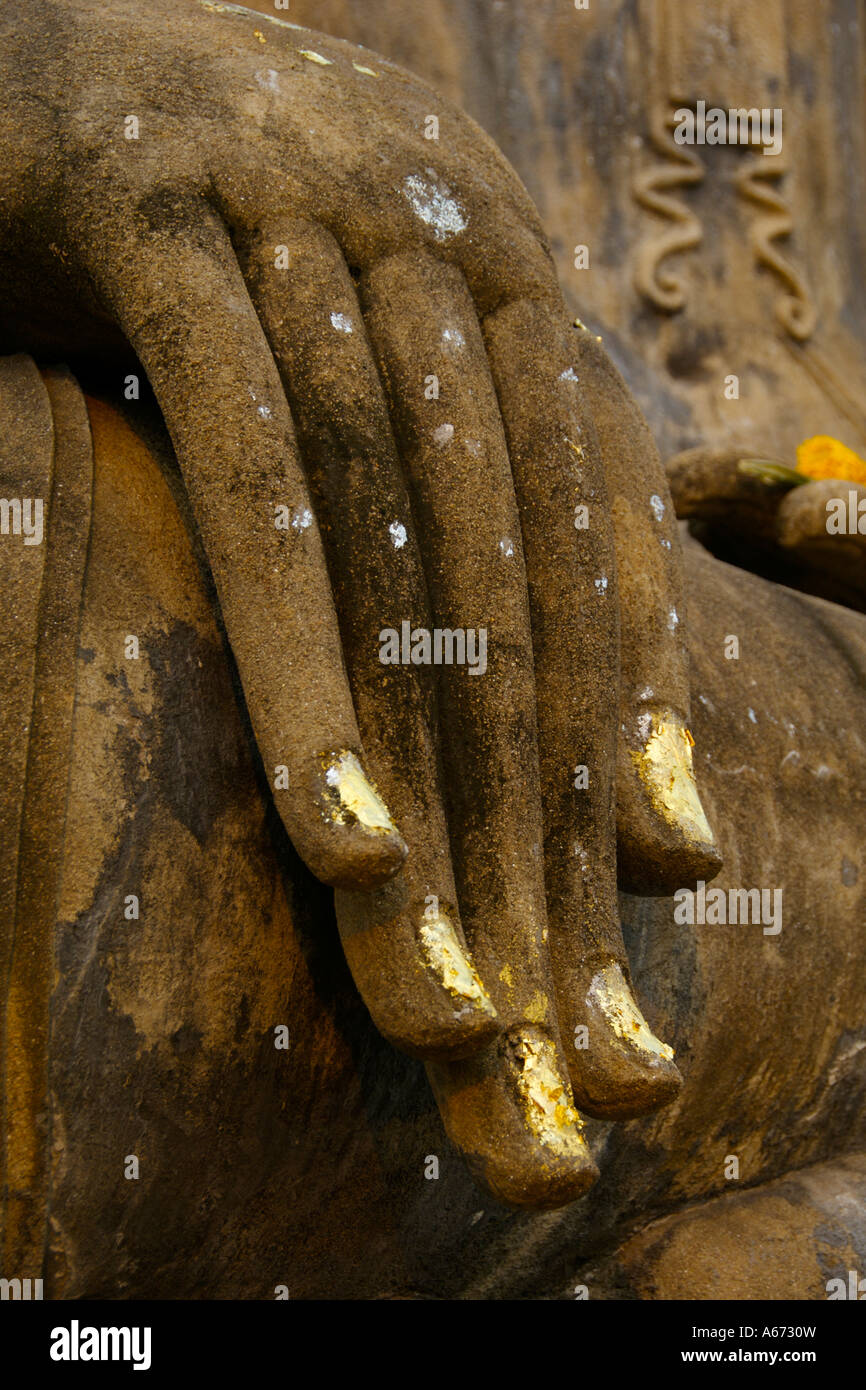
261 1167
797 1238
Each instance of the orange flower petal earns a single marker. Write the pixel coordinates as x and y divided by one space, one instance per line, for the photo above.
825 457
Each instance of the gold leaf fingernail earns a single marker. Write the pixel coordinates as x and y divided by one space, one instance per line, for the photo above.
665 767
352 797
612 996
446 956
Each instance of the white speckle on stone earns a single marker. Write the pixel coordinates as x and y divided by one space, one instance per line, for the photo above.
673 620
646 693
473 446
601 585
397 532
268 79
666 545
444 434
506 545
302 519
753 716
332 776
435 206
265 412
454 338
658 506
246 13
569 375
341 322
644 726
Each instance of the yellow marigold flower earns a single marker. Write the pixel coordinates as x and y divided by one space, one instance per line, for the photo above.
823 457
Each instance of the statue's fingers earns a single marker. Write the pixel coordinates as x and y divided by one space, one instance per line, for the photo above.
664 839
617 1065
508 1107
828 512
741 505
179 297
724 490
404 941
822 527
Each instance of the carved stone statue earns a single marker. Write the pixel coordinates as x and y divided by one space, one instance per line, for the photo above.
374 431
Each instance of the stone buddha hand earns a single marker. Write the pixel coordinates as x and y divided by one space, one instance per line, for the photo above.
464 670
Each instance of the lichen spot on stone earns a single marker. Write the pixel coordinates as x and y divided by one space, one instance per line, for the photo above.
341 322
397 532
433 204
216 7
569 375
443 435
658 506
